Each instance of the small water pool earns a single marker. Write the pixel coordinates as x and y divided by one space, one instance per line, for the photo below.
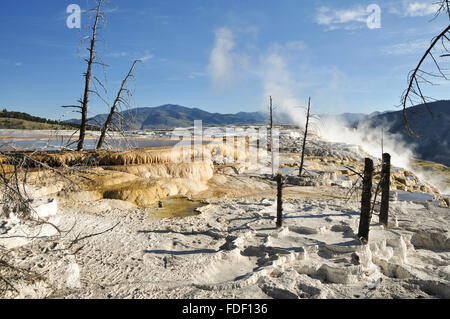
176 207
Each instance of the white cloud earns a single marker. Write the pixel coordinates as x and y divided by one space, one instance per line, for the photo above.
221 59
414 8
411 47
281 70
418 9
18 64
146 57
272 69
348 19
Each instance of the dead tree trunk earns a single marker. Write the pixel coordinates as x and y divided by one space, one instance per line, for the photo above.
270 123
279 180
87 84
385 188
271 136
304 139
116 103
224 147
258 142
364 222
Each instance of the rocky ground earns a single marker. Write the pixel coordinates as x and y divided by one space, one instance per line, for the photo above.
231 248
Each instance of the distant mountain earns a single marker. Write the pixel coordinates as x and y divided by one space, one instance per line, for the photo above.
431 122
432 145
172 116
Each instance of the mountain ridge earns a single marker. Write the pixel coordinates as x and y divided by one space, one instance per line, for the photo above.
433 144
170 116
429 122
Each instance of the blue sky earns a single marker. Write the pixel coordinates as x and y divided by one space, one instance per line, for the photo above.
219 55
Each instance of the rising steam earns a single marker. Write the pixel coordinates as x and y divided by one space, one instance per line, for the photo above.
278 80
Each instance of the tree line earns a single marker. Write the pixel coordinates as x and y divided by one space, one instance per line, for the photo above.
27 117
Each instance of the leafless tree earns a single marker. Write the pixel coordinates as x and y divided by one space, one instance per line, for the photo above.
88 75
122 100
93 59
270 119
305 135
116 106
437 51
271 134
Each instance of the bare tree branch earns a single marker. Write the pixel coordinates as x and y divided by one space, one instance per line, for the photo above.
115 105
88 76
417 76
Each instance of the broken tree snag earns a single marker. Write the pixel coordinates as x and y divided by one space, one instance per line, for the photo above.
364 222
304 139
257 150
224 147
88 75
247 148
271 136
385 188
115 106
192 157
279 180
235 148
270 124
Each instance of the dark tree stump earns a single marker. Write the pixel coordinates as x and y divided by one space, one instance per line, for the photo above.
385 188
366 214
224 147
279 180
257 150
